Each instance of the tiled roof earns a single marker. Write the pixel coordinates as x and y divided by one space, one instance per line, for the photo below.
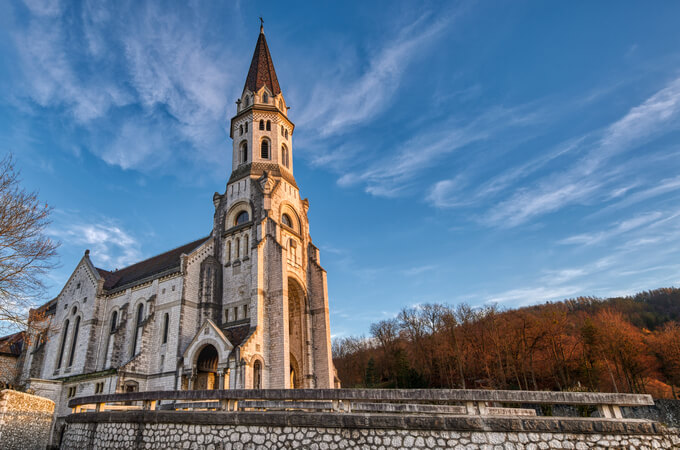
148 267
237 335
262 71
12 344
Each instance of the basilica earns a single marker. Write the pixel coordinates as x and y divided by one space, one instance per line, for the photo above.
244 307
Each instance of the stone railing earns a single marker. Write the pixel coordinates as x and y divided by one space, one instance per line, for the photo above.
395 401
359 418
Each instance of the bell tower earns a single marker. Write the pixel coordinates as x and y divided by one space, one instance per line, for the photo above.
261 131
274 301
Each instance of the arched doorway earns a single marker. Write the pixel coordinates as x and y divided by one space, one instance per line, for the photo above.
297 333
206 368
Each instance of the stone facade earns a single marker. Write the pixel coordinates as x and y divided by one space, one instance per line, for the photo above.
244 307
25 421
185 436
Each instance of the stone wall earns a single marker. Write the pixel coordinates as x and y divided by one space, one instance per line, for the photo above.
215 430
25 421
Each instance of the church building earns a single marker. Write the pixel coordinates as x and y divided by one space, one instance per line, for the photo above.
244 307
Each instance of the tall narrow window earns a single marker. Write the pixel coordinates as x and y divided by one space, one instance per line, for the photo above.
264 149
281 130
292 251
238 248
74 341
138 326
286 134
241 130
265 98
247 103
244 152
257 375
228 255
246 127
114 320
245 245
63 344
261 124
284 155
166 323
269 125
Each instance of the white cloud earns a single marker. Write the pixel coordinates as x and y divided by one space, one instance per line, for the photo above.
616 230
110 245
337 103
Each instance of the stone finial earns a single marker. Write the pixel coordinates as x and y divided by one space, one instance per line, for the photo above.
87 252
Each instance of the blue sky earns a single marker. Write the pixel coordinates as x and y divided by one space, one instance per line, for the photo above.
509 152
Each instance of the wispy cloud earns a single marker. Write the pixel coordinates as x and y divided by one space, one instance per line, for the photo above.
588 173
616 230
337 103
389 176
110 245
112 71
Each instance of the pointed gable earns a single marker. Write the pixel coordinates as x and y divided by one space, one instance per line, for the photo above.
262 71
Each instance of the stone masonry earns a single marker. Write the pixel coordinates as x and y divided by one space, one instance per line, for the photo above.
25 421
215 437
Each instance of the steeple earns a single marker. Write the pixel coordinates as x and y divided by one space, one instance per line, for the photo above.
261 72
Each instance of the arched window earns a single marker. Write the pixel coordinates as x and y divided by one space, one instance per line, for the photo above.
63 344
269 125
241 130
264 149
140 314
244 152
242 218
261 124
238 248
114 321
166 323
284 155
257 375
74 341
285 219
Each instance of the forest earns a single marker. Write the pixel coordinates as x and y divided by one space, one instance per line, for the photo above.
623 344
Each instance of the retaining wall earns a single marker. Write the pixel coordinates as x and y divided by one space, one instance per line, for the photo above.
275 430
25 421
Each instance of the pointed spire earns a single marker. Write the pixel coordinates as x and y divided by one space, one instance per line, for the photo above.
261 72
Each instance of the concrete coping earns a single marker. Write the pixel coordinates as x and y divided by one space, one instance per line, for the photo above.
369 395
376 421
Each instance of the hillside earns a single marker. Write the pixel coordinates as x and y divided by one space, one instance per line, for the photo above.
624 344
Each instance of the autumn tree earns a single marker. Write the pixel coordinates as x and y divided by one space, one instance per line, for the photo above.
26 252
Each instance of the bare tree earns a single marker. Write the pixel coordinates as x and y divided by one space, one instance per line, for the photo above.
26 252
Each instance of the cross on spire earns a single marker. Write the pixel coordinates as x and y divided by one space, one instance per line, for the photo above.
261 25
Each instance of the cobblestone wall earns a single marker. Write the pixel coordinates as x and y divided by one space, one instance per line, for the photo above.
221 437
25 421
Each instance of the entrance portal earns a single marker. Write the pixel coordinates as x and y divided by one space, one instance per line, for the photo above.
206 368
